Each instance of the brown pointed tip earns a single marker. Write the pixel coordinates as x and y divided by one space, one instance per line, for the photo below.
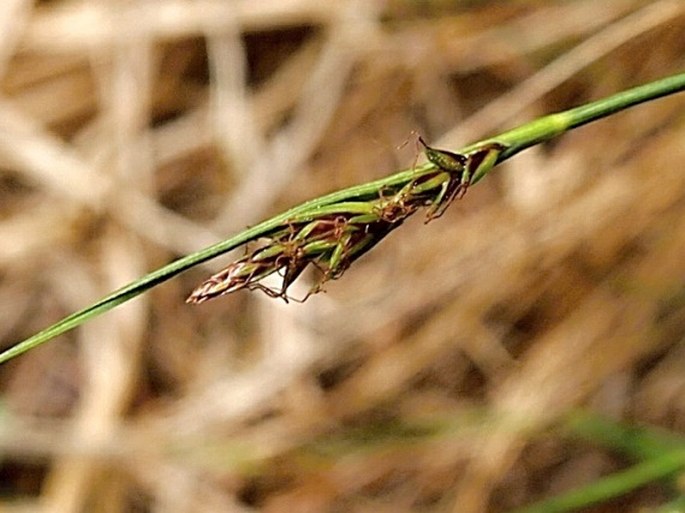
197 296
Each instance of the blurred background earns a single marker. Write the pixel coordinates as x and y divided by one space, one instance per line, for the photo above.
439 373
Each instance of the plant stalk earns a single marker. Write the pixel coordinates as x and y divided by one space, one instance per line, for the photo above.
515 140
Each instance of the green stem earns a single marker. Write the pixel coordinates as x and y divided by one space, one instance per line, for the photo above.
641 442
611 486
553 125
516 140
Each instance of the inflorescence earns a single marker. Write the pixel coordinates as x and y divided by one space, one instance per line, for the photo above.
334 236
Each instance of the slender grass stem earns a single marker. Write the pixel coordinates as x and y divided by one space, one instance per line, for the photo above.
640 442
514 141
553 125
611 486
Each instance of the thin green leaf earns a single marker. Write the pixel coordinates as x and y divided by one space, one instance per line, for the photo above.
515 140
612 486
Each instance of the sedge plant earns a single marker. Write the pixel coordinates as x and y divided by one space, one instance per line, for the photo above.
332 231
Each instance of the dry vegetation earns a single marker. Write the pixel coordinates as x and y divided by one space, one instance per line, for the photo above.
132 132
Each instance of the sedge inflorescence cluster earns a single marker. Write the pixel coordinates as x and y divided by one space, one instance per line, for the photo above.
331 238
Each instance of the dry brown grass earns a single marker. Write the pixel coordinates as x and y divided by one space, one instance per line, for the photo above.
135 131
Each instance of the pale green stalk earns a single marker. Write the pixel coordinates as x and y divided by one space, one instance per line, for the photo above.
515 140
